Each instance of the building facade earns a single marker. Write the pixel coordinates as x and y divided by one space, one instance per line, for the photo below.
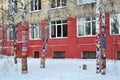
72 30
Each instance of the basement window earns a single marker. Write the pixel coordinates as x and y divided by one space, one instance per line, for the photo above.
36 54
89 55
59 54
118 55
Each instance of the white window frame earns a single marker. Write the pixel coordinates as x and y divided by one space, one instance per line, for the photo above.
10 30
34 6
56 33
10 37
84 27
36 27
113 16
56 4
78 2
10 6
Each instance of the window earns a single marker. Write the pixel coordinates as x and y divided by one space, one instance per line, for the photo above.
58 3
36 54
115 24
15 6
86 26
35 31
59 29
89 55
11 34
85 55
10 7
118 55
81 2
35 5
59 54
92 55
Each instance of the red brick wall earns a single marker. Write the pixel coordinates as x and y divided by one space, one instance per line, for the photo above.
73 46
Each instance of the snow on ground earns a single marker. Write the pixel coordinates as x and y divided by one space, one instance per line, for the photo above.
58 69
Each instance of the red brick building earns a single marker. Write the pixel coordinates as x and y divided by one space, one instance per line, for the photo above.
71 37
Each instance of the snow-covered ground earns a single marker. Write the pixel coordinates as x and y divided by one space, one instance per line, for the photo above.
58 69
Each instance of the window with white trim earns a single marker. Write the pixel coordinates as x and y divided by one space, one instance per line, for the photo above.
59 29
11 34
35 5
86 26
81 2
12 6
115 24
35 31
58 3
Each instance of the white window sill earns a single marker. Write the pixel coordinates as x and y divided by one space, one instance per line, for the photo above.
36 39
86 36
58 37
84 3
35 11
114 34
12 40
58 7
